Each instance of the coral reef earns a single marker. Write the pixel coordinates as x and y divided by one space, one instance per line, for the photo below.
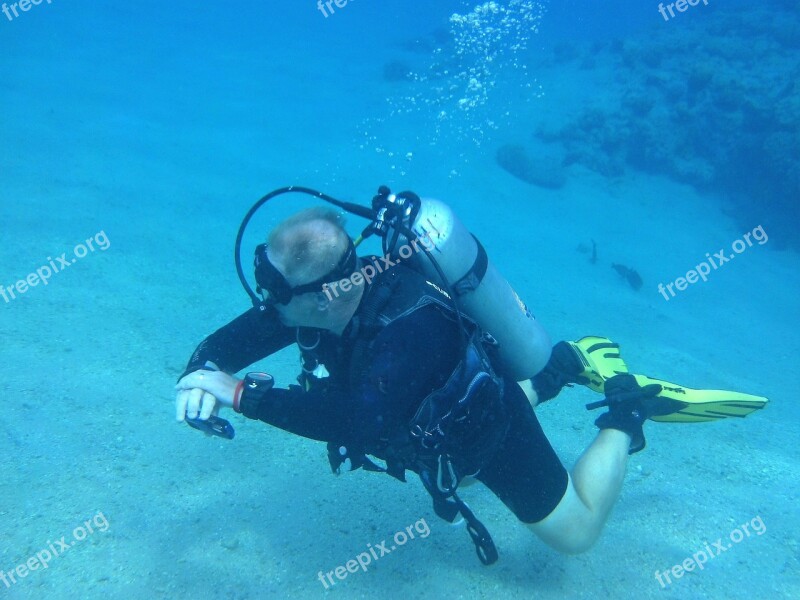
714 102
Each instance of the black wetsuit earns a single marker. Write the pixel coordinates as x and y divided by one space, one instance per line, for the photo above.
369 398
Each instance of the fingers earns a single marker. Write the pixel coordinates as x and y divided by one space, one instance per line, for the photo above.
202 393
191 402
181 401
195 400
208 403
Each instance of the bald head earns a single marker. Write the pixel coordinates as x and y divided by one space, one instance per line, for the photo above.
309 244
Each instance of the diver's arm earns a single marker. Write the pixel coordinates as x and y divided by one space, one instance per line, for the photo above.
411 357
596 481
245 340
315 415
242 342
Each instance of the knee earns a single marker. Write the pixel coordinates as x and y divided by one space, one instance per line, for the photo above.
570 540
574 547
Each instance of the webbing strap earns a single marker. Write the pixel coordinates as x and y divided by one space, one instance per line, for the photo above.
474 276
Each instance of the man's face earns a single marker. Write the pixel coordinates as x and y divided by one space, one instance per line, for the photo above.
303 309
300 311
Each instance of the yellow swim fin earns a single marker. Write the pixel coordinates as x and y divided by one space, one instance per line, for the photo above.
703 405
601 360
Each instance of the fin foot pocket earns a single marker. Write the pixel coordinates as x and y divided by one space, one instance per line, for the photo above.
600 360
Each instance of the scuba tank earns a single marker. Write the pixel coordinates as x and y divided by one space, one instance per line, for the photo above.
482 292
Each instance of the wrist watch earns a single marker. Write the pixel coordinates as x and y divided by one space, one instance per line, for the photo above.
251 391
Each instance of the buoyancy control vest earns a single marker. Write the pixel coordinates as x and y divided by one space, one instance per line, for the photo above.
456 429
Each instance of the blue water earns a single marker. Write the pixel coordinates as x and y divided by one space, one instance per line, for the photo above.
135 136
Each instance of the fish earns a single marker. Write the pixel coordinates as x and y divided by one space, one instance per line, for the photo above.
632 277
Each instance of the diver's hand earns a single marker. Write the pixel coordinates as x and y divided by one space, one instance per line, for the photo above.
204 392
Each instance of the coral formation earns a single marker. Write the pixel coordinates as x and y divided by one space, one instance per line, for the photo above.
722 113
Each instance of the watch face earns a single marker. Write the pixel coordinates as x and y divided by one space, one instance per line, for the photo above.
259 377
259 380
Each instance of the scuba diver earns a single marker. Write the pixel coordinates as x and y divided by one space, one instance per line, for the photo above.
426 360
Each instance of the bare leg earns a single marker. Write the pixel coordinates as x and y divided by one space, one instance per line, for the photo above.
596 481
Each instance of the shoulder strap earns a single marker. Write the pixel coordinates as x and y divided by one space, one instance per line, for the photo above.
369 325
